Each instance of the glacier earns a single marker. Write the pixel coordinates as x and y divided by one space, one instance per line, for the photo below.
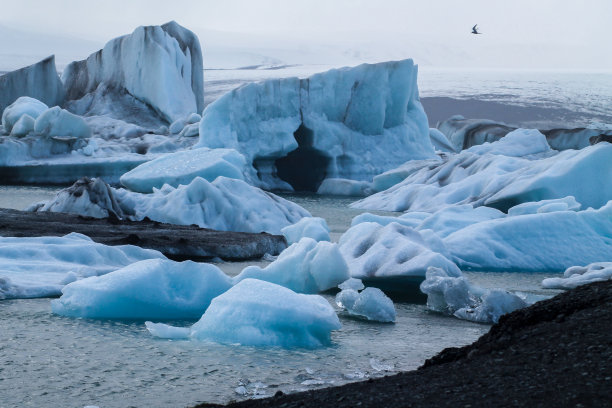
39 81
225 205
307 266
149 289
516 169
580 275
348 123
456 296
41 266
152 76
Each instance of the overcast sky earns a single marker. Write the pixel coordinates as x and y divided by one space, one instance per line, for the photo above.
553 32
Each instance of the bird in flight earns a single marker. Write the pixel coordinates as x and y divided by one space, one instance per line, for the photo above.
475 29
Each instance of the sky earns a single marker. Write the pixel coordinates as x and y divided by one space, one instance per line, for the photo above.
561 34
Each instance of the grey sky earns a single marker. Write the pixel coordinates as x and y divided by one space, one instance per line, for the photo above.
565 29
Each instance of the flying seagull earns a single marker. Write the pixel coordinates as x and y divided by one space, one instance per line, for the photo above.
475 29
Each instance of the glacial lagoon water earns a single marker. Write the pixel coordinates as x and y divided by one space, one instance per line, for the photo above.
50 360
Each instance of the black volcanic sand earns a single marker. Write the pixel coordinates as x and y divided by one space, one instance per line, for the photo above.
556 353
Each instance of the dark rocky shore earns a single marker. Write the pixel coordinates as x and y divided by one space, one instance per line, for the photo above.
556 353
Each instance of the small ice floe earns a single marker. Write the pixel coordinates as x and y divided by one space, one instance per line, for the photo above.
310 227
580 275
370 303
456 296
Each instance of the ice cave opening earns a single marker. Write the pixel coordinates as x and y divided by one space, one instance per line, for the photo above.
304 168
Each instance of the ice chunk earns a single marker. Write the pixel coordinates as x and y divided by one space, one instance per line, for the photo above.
544 206
24 125
59 122
344 187
304 267
518 143
182 167
455 295
165 331
440 142
39 81
370 303
258 313
150 289
450 219
580 275
22 106
495 180
225 205
311 227
41 266
153 74
372 250
352 283
330 122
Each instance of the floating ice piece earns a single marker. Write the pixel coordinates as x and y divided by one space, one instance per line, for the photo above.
165 331
344 187
375 251
544 242
22 106
304 267
41 266
350 123
59 122
496 181
310 227
580 275
153 74
455 295
225 205
352 283
258 313
518 143
23 126
150 289
561 204
370 303
38 81
182 167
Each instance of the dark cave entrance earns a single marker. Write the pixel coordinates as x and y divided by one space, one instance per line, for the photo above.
304 168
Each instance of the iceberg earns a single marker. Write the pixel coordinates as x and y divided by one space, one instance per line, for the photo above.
224 205
152 76
580 275
42 266
349 123
182 167
149 289
456 296
371 304
258 313
59 122
494 175
39 81
22 106
304 267
308 227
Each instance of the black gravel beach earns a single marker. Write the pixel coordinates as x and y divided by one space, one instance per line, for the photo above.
556 353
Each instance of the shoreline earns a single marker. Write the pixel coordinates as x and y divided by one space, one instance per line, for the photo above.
555 353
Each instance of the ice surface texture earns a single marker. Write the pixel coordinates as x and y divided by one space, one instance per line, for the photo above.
497 175
151 289
41 266
39 81
580 275
159 66
304 267
224 204
350 123
455 295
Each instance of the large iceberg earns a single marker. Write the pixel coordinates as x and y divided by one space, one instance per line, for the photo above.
150 289
258 313
580 275
224 204
456 296
42 266
350 123
500 174
182 167
152 76
39 81
304 267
